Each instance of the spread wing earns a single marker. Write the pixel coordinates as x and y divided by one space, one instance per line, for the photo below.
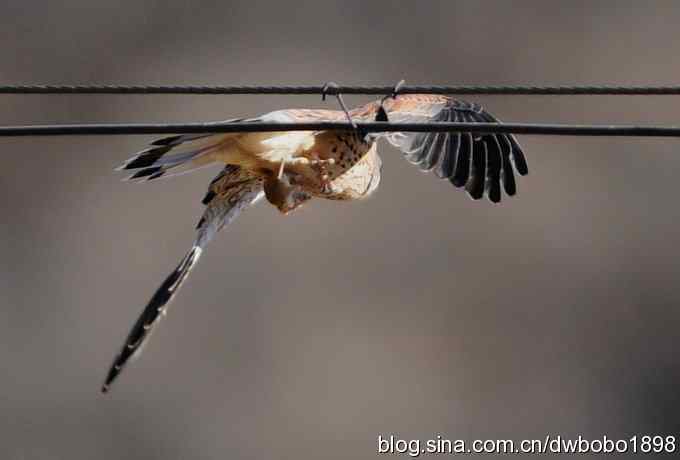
480 162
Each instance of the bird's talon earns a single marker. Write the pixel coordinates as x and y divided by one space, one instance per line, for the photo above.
320 162
328 85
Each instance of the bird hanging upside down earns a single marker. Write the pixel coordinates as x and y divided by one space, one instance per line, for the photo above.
290 168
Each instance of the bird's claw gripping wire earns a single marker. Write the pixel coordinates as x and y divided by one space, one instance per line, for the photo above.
335 87
381 115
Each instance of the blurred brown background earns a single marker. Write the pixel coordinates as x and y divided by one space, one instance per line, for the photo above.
417 312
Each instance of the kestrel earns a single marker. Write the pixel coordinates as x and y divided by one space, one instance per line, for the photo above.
290 168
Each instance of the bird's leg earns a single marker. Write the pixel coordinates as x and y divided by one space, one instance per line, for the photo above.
335 87
344 109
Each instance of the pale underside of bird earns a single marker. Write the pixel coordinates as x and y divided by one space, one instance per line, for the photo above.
290 168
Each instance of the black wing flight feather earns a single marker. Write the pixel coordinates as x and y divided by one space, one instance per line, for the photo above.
483 163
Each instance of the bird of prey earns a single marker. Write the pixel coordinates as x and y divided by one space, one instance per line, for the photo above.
290 168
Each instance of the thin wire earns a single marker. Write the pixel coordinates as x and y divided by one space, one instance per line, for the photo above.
359 89
230 127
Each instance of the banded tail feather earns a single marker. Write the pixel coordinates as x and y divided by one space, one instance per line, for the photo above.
233 190
152 313
171 156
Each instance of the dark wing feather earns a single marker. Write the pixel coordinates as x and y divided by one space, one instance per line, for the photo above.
493 172
516 152
483 163
508 175
434 150
447 161
462 172
475 186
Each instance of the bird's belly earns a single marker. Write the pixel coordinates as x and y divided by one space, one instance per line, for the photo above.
359 181
275 145
348 178
266 151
